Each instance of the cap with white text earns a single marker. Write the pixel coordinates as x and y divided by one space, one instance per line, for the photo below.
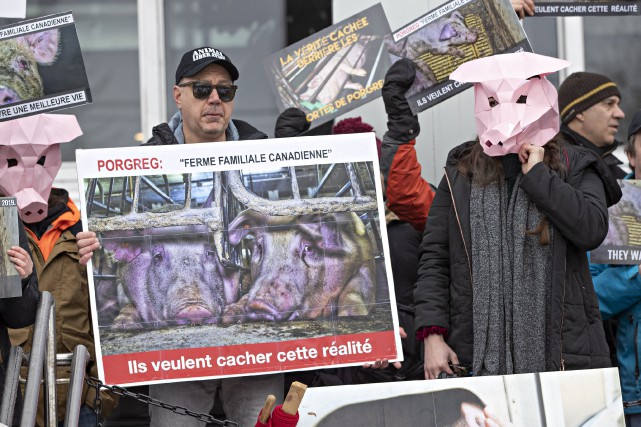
196 60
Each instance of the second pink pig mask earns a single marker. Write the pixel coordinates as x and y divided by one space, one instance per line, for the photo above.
514 102
30 159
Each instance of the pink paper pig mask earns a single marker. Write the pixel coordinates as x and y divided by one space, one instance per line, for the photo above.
30 159
514 103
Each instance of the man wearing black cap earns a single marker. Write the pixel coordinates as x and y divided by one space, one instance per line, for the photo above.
618 288
204 94
590 115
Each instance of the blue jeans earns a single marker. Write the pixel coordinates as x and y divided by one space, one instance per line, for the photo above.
86 418
242 399
632 420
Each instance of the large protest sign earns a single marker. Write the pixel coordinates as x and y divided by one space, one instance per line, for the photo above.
44 67
586 7
237 258
622 245
565 398
334 70
444 38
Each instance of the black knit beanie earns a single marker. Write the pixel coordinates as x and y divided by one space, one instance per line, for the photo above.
582 90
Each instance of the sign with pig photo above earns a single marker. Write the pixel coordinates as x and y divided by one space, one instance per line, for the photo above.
444 38
236 258
43 67
622 244
334 70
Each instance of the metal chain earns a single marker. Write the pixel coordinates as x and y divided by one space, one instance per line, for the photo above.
97 400
180 410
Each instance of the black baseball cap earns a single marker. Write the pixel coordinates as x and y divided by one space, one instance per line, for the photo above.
197 59
635 124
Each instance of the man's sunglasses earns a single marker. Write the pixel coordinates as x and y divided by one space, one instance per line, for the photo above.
202 90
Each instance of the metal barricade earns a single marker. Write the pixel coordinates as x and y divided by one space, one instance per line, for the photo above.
45 321
11 384
44 360
76 381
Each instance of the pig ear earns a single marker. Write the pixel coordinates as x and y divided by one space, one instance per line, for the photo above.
123 250
45 45
244 224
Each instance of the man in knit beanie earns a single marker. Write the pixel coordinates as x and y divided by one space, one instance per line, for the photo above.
590 115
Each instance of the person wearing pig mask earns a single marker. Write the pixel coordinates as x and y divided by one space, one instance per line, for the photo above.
504 284
51 221
204 95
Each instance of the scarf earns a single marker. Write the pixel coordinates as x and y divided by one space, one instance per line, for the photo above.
511 277
176 125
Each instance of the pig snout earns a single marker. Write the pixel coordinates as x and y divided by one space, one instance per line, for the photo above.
8 96
274 301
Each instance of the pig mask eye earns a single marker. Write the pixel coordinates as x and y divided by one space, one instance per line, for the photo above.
12 163
493 102
41 160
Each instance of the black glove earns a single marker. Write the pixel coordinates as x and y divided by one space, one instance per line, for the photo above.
402 125
291 122
161 135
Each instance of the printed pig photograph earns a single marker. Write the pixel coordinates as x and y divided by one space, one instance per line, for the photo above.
282 257
444 38
42 70
334 70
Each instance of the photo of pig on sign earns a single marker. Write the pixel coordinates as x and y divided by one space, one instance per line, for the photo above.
42 67
238 258
622 244
444 38
334 70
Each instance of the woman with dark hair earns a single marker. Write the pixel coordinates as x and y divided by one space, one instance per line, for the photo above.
504 285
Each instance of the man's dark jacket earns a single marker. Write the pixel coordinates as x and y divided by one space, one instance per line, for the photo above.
578 212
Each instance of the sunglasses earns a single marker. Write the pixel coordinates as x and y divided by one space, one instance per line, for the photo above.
202 90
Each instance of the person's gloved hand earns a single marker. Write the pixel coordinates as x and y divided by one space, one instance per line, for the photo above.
402 125
291 122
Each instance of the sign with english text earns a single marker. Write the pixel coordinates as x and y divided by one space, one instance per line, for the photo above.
237 258
334 70
456 32
622 244
43 67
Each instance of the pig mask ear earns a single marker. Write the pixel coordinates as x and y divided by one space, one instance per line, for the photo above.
243 225
45 45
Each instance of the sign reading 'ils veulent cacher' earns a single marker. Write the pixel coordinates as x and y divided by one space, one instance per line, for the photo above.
456 32
43 67
234 258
